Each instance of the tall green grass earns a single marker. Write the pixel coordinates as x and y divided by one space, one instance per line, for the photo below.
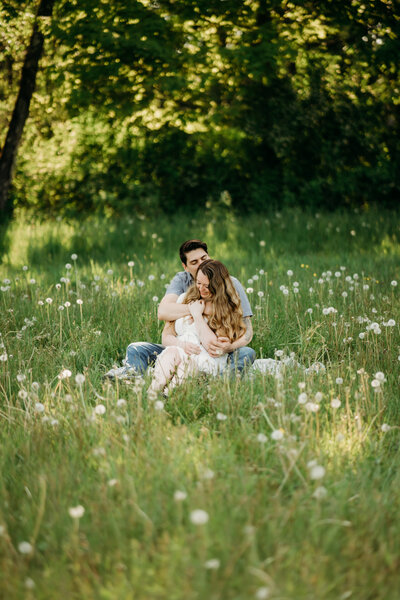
297 474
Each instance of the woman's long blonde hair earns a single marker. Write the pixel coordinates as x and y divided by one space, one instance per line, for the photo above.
226 318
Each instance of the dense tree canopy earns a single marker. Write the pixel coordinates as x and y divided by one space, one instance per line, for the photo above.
157 104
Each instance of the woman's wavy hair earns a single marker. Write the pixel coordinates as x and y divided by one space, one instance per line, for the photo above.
226 318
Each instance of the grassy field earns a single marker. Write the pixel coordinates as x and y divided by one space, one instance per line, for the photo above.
265 487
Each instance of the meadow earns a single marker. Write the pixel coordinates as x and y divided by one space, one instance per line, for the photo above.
280 487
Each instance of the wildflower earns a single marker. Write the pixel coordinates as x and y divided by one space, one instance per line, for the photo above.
337 274
249 290
100 409
317 472
262 438
318 396
262 243
49 300
385 428
339 380
74 256
279 353
375 383
131 264
29 583
262 593
61 307
68 266
289 273
79 378
361 335
39 407
213 563
393 283
21 377
207 474
79 301
67 304
121 403
76 512
35 386
335 403
180 496
320 492
260 294
391 323
285 292
151 277
155 298
25 548
24 268
110 272
312 406
199 517
380 376
344 294
32 281
221 417
302 398
159 405
277 435
65 374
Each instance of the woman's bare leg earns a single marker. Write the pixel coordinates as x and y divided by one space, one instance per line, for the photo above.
166 366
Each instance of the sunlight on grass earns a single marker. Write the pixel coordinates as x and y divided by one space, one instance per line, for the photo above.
216 491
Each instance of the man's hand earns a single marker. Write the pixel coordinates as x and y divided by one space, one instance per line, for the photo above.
220 346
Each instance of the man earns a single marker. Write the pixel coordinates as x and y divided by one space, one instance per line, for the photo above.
140 355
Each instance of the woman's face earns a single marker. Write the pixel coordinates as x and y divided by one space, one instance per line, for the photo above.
202 283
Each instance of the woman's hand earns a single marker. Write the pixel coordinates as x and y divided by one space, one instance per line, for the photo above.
190 348
196 308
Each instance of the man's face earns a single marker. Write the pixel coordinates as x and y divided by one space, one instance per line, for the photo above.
193 259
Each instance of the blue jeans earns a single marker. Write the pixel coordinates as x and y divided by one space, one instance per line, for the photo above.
141 355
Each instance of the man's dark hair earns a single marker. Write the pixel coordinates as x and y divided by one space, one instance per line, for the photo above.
189 246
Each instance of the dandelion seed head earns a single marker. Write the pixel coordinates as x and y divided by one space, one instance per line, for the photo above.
25 548
76 512
213 564
317 472
262 438
180 496
100 409
335 403
262 593
320 492
199 517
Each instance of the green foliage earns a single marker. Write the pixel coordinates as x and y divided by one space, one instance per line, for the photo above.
146 105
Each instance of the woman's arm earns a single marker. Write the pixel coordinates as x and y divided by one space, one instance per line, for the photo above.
169 338
206 335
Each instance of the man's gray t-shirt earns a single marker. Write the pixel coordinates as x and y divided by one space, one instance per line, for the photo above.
183 280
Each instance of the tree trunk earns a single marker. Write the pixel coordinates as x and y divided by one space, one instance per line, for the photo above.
21 108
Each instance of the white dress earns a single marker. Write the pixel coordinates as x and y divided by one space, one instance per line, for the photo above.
186 331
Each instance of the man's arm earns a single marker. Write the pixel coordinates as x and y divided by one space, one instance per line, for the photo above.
170 310
226 346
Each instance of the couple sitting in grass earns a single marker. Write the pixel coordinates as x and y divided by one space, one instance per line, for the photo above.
207 328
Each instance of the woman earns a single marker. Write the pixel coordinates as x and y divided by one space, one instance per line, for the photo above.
216 313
